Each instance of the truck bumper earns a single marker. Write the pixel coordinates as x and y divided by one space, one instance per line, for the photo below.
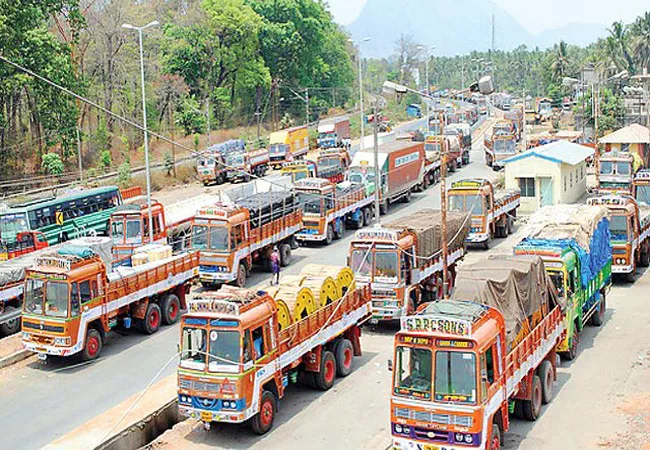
210 277
383 314
408 444
50 349
616 268
476 238
210 416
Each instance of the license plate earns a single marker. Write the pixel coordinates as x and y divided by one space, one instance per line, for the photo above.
207 416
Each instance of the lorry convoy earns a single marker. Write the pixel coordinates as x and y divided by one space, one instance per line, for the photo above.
402 261
492 211
241 165
241 349
459 364
334 133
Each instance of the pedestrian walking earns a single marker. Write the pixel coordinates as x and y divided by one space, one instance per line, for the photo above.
275 266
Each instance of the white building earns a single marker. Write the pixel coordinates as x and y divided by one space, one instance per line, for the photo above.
548 175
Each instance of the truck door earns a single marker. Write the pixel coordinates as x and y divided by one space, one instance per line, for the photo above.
489 372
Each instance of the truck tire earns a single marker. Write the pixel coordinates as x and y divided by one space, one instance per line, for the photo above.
598 317
495 439
242 274
367 215
344 357
293 243
360 222
340 230
152 317
407 197
509 226
92 345
329 234
10 327
383 208
263 421
644 257
325 377
545 372
486 244
285 255
171 307
533 407
629 277
572 353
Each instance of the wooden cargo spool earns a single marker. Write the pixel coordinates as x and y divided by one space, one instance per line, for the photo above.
342 275
324 288
299 300
284 315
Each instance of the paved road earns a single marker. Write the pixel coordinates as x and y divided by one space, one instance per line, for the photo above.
50 400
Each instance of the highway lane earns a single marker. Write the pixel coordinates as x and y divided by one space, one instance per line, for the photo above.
49 400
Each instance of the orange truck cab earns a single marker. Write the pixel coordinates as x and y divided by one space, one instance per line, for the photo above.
72 299
493 212
641 186
240 351
232 237
456 374
616 173
26 242
130 227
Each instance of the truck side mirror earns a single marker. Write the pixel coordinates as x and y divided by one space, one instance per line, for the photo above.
390 365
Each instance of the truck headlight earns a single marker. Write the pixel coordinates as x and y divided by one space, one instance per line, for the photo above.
468 438
27 336
398 428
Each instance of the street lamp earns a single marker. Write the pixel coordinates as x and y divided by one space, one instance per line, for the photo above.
144 121
485 87
367 39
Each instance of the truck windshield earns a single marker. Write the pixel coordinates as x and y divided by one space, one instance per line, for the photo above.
557 277
618 228
133 231
355 177
11 225
386 267
623 168
309 202
504 146
455 377
429 147
206 162
361 262
413 371
213 237
277 149
224 351
235 161
466 203
48 298
117 231
606 168
643 194
193 348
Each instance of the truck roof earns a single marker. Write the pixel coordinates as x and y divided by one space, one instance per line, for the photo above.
396 146
227 301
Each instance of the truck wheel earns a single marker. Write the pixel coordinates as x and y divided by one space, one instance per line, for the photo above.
325 376
340 230
383 207
359 223
151 322
486 244
532 408
263 420
495 440
572 353
285 255
509 226
171 307
598 317
92 345
367 215
329 235
407 197
221 179
644 257
344 357
241 276
10 327
293 243
545 373
452 167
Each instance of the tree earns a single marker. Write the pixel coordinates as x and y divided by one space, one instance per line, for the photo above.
641 30
190 117
618 41
124 174
52 164
560 62
407 54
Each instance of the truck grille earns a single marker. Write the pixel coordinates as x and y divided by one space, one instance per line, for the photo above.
310 224
199 385
427 416
44 327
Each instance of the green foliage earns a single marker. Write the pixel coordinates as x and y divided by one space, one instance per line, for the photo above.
52 164
100 139
106 160
190 117
169 163
124 174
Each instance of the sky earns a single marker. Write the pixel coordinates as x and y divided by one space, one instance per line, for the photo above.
534 15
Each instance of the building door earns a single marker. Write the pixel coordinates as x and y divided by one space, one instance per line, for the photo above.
546 191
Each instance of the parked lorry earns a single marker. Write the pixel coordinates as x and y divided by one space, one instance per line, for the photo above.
299 170
544 110
401 170
463 133
12 280
616 173
501 143
629 232
334 133
402 260
573 241
240 350
25 242
332 164
241 165
641 186
459 365
414 110
243 229
432 163
172 224
73 298
288 145
493 211
434 143
327 208
211 168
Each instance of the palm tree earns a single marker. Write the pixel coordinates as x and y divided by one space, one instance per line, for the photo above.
619 36
641 30
561 61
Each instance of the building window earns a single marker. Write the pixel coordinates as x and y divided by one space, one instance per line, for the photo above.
564 183
571 179
527 187
625 147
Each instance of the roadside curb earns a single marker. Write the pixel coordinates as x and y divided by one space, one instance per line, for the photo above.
14 358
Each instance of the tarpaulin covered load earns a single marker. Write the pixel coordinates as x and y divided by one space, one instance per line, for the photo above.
584 228
427 226
13 271
518 286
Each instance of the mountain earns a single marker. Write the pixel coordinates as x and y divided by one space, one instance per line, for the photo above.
575 33
454 27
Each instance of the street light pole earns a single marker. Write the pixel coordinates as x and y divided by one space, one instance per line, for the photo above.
361 143
207 116
375 133
144 122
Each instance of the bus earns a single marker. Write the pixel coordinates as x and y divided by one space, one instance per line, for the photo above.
75 215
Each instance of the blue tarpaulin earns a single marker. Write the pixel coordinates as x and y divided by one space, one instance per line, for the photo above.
76 250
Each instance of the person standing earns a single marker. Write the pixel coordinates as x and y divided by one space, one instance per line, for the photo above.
275 266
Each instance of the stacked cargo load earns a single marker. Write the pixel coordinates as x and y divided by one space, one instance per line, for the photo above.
265 207
517 286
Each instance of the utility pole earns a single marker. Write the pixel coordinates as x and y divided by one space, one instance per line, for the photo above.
171 130
207 115
307 106
81 173
523 130
375 132
596 94
443 205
